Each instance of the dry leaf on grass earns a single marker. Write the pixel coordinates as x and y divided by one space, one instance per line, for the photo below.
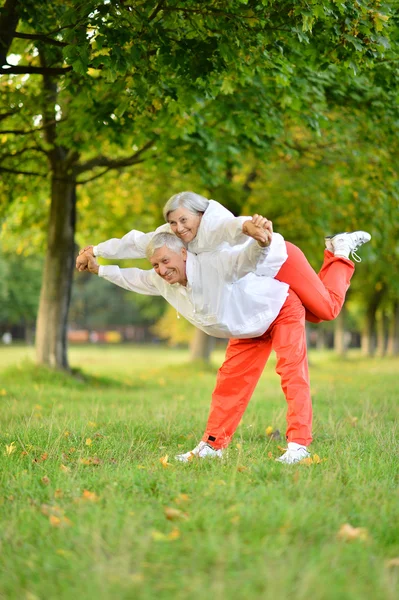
312 460
347 533
90 496
164 461
174 514
182 499
59 521
64 469
393 562
166 537
45 480
10 448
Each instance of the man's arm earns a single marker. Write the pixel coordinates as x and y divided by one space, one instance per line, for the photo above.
134 280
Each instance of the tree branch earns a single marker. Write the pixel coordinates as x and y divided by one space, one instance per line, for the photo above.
40 37
8 23
7 69
28 131
15 172
110 163
156 10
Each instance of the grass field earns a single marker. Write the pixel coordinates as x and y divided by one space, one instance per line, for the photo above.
91 508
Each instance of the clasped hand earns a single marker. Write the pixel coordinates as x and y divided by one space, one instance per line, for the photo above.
260 229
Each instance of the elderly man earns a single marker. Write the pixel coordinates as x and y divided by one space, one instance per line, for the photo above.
232 294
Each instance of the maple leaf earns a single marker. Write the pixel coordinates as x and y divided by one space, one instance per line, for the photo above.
347 533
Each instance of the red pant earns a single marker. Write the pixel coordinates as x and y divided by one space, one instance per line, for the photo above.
322 295
243 365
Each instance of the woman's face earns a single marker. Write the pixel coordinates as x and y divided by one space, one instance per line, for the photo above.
184 223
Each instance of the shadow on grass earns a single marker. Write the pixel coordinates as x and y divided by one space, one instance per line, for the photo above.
27 372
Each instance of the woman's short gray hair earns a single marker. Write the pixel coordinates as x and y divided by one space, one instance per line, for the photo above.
164 239
190 200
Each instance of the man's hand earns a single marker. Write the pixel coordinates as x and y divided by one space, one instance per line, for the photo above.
260 229
82 258
92 264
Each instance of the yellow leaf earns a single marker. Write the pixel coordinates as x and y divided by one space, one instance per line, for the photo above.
58 493
164 462
66 434
182 499
269 430
64 469
89 442
90 496
347 533
174 534
92 424
54 521
3 392
10 448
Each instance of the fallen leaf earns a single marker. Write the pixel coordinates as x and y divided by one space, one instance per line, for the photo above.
241 468
347 533
393 562
182 499
66 434
10 448
59 521
90 496
92 424
164 462
89 442
45 480
174 514
90 461
3 392
269 430
270 455
47 510
58 493
64 469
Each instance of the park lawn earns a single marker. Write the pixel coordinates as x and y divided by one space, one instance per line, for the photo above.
88 480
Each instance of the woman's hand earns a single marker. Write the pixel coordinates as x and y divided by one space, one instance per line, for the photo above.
260 229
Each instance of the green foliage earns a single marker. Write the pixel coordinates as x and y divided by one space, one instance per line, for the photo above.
20 289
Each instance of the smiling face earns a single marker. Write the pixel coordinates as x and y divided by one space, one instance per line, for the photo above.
169 265
184 223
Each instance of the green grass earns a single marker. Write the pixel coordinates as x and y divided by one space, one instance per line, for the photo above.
249 528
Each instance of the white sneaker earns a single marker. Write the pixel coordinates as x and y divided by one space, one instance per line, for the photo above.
294 454
203 450
345 244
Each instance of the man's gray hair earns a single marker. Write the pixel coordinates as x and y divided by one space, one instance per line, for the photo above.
164 239
190 200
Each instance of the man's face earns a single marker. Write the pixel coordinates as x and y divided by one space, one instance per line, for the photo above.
169 265
184 223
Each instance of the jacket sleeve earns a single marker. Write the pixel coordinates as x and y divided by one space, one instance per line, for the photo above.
134 280
132 245
252 258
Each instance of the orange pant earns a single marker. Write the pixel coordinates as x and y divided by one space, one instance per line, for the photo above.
243 365
322 295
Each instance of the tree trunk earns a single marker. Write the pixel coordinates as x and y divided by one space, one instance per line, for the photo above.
201 346
339 333
393 331
51 330
369 329
380 334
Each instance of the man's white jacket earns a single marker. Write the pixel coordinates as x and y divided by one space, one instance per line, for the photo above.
229 293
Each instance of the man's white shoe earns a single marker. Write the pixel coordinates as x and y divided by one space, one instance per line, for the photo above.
203 450
294 454
345 244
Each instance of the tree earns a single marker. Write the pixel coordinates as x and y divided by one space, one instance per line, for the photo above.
101 86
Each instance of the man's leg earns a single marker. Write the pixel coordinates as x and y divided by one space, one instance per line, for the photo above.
322 295
236 381
289 342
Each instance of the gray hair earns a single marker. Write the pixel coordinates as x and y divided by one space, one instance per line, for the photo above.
190 200
164 239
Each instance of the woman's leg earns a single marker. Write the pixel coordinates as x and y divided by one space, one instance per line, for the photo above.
322 295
